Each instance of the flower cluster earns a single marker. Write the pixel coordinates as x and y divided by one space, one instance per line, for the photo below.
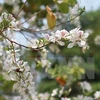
57 36
75 36
57 92
18 71
8 22
14 68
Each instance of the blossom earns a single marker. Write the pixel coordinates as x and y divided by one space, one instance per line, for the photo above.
97 40
85 86
11 23
75 36
57 36
43 96
97 95
65 98
78 37
61 91
11 2
60 1
54 92
1 50
74 11
18 71
81 97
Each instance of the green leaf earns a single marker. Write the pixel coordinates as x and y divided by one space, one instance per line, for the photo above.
82 71
72 2
63 7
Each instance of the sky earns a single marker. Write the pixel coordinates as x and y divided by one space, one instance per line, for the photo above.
89 4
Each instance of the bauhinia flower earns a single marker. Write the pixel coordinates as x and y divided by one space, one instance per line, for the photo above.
74 11
76 36
85 86
97 95
60 1
81 97
57 36
97 40
8 22
54 92
65 98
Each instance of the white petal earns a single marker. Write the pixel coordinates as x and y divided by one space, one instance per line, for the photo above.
68 37
61 43
83 43
70 45
60 1
85 35
15 86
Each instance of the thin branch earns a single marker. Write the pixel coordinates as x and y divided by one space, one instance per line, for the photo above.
35 49
31 17
25 36
32 31
21 8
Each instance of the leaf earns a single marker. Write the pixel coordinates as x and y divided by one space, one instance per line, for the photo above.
72 2
51 18
82 71
61 81
64 6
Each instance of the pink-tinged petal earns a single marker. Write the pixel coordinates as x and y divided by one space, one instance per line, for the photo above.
64 33
47 36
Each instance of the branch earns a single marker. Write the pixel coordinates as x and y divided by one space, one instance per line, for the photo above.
33 31
21 8
37 49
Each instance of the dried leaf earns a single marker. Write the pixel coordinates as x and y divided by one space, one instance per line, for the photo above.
51 18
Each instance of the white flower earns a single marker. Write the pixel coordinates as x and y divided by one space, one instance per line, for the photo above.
43 96
74 11
97 40
65 98
97 95
61 91
12 23
12 2
85 86
60 1
78 37
55 92
57 36
81 97
1 50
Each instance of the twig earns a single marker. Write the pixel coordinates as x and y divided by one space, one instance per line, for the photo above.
25 36
32 31
21 8
31 17
35 49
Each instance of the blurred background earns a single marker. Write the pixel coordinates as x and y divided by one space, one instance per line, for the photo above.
89 21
